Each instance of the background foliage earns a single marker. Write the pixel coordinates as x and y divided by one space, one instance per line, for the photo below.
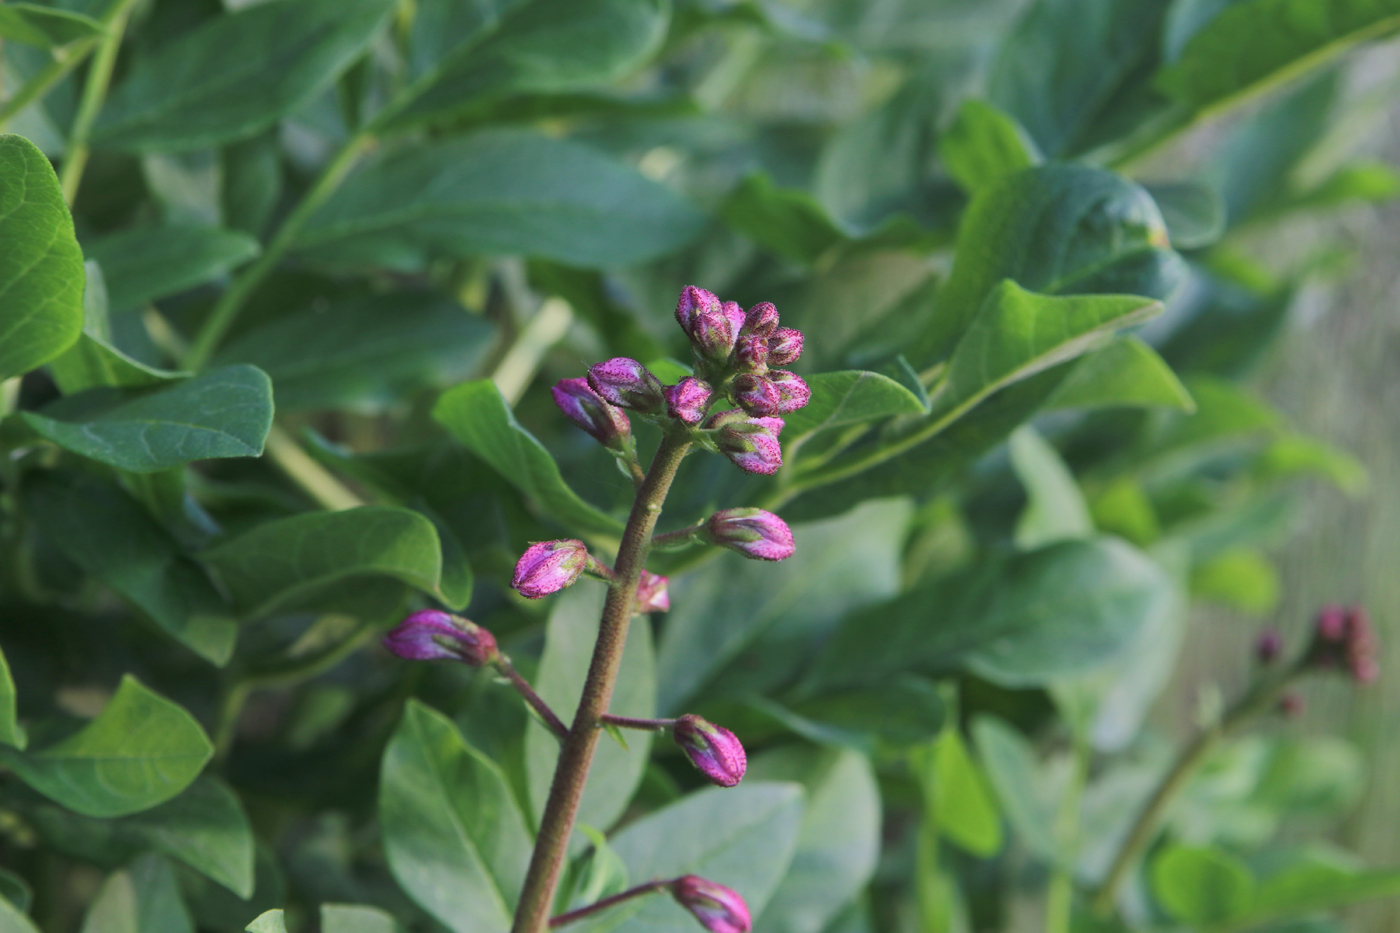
421 215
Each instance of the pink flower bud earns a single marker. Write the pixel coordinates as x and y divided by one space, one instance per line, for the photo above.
587 409
751 444
693 300
627 384
431 634
686 400
651 594
735 314
549 566
761 319
715 751
751 352
719 909
784 346
752 532
1345 638
792 391
712 335
1268 646
756 395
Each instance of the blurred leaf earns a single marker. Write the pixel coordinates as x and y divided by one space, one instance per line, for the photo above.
1294 454
143 897
12 920
839 841
252 182
1123 509
1202 886
353 918
455 840
140 751
1194 213
1361 181
1124 372
270 922
1055 508
964 809
983 144
15 895
224 412
904 711
1319 886
497 192
236 74
11 732
204 827
788 221
41 265
568 649
146 263
1242 578
45 27
476 415
1027 798
291 560
851 397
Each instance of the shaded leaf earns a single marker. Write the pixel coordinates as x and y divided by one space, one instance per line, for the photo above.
146 263
1194 213
1027 798
983 144
1126 372
143 898
788 221
1055 508
45 27
205 827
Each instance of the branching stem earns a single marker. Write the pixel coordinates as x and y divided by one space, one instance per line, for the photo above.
630 722
651 887
537 703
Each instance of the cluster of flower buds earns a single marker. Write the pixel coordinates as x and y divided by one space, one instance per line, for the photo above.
734 347
719 909
714 750
433 635
1344 639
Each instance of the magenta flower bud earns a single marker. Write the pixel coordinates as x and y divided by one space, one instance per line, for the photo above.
784 346
1268 646
752 445
712 335
736 316
549 566
793 392
751 352
652 595
627 384
686 400
752 532
756 395
693 300
431 635
761 319
587 409
719 909
715 751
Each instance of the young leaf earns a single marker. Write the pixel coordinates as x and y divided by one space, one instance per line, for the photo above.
140 751
41 265
851 397
146 263
1125 372
983 144
144 896
45 27
788 221
1202 887
964 809
237 74
493 193
477 415
224 412
1055 508
353 918
292 560
454 838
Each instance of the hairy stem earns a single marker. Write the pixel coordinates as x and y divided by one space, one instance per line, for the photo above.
650 887
52 73
537 703
99 76
631 722
557 823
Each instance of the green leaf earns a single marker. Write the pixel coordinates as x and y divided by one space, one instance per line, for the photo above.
353 918
568 649
1256 44
146 263
1202 886
1240 577
788 221
205 827
106 533
224 412
1293 455
1125 372
476 414
839 841
15 895
983 144
905 711
45 27
742 837
539 47
1026 797
850 397
493 193
1194 213
14 921
290 561
1319 885
11 732
964 809
365 352
140 751
236 74
143 897
454 837
271 921
41 265
1055 508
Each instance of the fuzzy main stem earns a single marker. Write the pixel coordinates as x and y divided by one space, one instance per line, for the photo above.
557 823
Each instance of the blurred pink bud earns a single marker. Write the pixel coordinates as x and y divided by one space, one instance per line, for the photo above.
1291 704
761 319
686 400
751 352
549 566
627 384
715 751
693 300
1268 646
1345 638
431 634
784 346
1331 623
587 409
751 444
719 909
752 532
712 334
756 395
792 391
651 593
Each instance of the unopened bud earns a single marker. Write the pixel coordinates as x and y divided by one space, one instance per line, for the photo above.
652 595
1345 638
627 384
756 395
751 444
587 409
793 392
761 319
736 316
1268 646
694 300
549 566
752 532
784 346
719 909
431 634
714 750
751 352
686 400
712 335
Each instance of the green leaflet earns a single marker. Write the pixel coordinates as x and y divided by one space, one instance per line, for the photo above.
147 263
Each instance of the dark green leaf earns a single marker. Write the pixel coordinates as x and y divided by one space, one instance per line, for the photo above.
1126 372
44 26
787 221
205 827
237 74
905 711
291 560
224 412
41 265
454 838
1202 886
1194 213
15 895
477 415
983 144
147 263
140 751
144 897
851 397
497 193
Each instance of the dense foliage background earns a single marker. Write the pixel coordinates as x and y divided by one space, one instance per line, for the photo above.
400 222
